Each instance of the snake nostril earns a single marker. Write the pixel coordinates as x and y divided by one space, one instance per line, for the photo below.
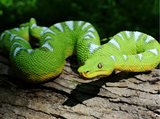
87 72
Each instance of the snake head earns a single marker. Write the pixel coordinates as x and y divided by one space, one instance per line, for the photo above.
97 67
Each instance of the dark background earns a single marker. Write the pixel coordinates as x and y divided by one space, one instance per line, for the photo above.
108 16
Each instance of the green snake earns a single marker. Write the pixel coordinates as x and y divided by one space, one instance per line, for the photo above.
126 51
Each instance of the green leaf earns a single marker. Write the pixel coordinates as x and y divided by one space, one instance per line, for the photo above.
1 12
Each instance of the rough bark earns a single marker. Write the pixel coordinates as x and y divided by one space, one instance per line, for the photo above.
122 95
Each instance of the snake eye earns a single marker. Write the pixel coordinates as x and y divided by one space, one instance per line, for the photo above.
100 65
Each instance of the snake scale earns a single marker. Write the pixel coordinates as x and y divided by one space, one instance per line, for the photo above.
126 51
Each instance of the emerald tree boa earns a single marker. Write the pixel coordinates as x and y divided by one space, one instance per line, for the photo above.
126 51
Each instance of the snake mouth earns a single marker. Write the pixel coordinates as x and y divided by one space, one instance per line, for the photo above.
91 75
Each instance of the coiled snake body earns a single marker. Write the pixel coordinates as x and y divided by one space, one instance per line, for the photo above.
126 51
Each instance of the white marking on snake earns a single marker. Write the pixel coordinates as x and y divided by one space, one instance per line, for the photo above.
87 37
80 23
90 34
128 34
20 38
42 32
47 45
44 28
140 56
154 51
113 57
86 25
7 31
2 35
16 43
149 38
29 51
119 34
125 57
137 35
91 29
33 25
58 25
16 51
49 31
32 19
48 37
93 47
17 29
70 24
114 42
12 36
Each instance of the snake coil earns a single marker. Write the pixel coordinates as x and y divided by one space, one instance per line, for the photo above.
126 51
